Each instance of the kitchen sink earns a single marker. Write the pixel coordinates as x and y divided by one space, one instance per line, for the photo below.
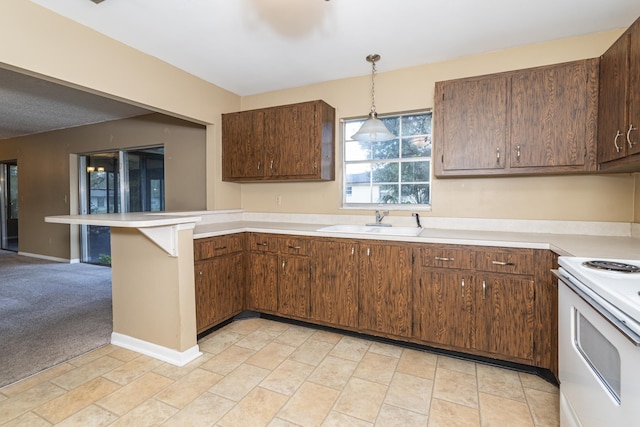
372 230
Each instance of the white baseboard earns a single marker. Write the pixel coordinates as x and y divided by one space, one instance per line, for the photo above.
156 351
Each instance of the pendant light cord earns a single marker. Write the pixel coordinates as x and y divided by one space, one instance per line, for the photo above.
373 86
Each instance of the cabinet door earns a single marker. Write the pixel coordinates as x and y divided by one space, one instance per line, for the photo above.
242 145
385 288
204 271
292 142
553 116
633 128
334 290
505 316
444 308
612 108
293 285
262 293
471 124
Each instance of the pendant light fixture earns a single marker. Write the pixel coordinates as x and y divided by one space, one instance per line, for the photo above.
373 129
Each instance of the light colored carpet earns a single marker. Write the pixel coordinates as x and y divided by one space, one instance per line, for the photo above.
49 313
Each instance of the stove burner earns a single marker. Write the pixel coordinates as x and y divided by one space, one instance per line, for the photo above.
617 267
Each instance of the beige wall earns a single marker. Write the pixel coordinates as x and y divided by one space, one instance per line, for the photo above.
48 174
586 197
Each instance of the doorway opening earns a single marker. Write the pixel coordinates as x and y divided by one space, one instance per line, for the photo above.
117 182
9 206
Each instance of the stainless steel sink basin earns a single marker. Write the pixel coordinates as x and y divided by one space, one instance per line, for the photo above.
372 230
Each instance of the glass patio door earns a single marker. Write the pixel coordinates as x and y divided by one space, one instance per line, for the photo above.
9 206
118 181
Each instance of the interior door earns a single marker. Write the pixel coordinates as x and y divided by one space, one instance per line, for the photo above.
9 203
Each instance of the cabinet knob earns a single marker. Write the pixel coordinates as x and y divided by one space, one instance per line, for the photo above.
631 128
615 141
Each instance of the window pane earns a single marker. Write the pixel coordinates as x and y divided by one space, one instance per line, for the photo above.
386 149
359 193
358 174
415 193
418 124
385 172
417 146
386 193
415 171
351 127
392 123
356 150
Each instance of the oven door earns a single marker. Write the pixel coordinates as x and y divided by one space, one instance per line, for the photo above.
599 363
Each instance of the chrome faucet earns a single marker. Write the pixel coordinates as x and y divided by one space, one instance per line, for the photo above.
379 217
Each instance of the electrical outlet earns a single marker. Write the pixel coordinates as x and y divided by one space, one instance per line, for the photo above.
278 199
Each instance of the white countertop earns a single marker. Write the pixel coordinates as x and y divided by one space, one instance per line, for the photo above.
128 220
562 244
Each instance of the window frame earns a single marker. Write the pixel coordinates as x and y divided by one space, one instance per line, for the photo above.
389 206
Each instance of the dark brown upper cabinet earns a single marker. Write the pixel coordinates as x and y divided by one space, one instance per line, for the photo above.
619 108
284 143
539 120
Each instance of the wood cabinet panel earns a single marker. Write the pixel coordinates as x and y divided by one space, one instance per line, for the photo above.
633 128
385 293
216 246
448 256
262 285
334 291
293 285
505 260
553 113
242 157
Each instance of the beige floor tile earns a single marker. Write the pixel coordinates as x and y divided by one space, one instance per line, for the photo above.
295 336
241 381
186 389
410 392
287 377
537 383
333 372
500 411
361 399
27 383
386 349
455 364
456 387
271 355
376 367
176 372
310 405
447 414
499 382
337 419
256 409
311 352
132 369
134 393
392 416
228 360
27 420
326 336
91 416
246 326
351 348
87 372
545 407
278 422
418 363
258 339
217 343
124 354
68 404
275 326
150 413
23 402
92 355
203 411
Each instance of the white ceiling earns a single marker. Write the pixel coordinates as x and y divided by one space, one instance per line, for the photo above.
256 46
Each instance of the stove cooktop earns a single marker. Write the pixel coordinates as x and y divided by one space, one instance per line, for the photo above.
619 288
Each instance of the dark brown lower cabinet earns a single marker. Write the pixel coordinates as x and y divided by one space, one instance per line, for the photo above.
385 288
262 286
333 296
293 285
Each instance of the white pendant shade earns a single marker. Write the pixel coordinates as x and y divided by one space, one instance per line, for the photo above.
373 130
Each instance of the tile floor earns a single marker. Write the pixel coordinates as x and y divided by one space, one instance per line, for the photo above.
258 372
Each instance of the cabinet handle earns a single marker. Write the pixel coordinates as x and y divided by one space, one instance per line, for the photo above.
271 166
294 247
315 165
262 244
501 263
615 141
518 153
498 155
284 263
200 272
220 248
368 251
439 258
463 289
258 166
484 289
631 144
353 251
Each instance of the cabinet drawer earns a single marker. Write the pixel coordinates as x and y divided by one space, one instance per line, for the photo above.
215 246
447 257
263 243
295 245
505 260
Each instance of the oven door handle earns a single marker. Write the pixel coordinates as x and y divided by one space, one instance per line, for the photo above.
611 318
